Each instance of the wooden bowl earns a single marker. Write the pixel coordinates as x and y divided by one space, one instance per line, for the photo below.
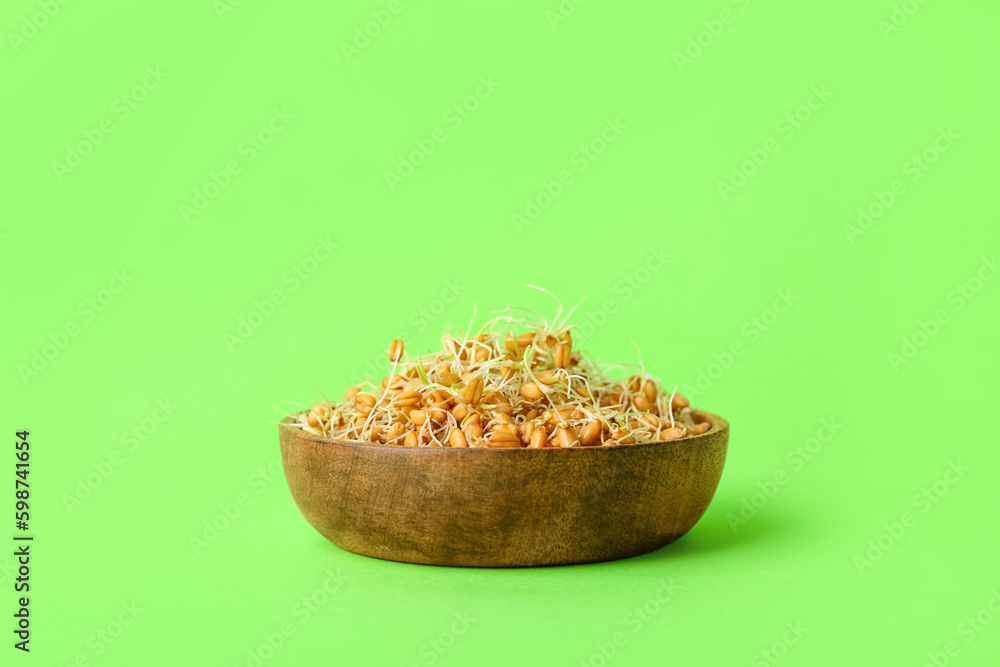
503 507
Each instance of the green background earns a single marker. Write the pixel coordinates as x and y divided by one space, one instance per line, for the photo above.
414 257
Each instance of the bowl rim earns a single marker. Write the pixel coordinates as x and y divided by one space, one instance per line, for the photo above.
719 425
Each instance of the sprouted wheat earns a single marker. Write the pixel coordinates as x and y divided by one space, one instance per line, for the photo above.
516 382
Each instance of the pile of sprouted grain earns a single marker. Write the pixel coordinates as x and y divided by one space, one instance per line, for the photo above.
517 382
